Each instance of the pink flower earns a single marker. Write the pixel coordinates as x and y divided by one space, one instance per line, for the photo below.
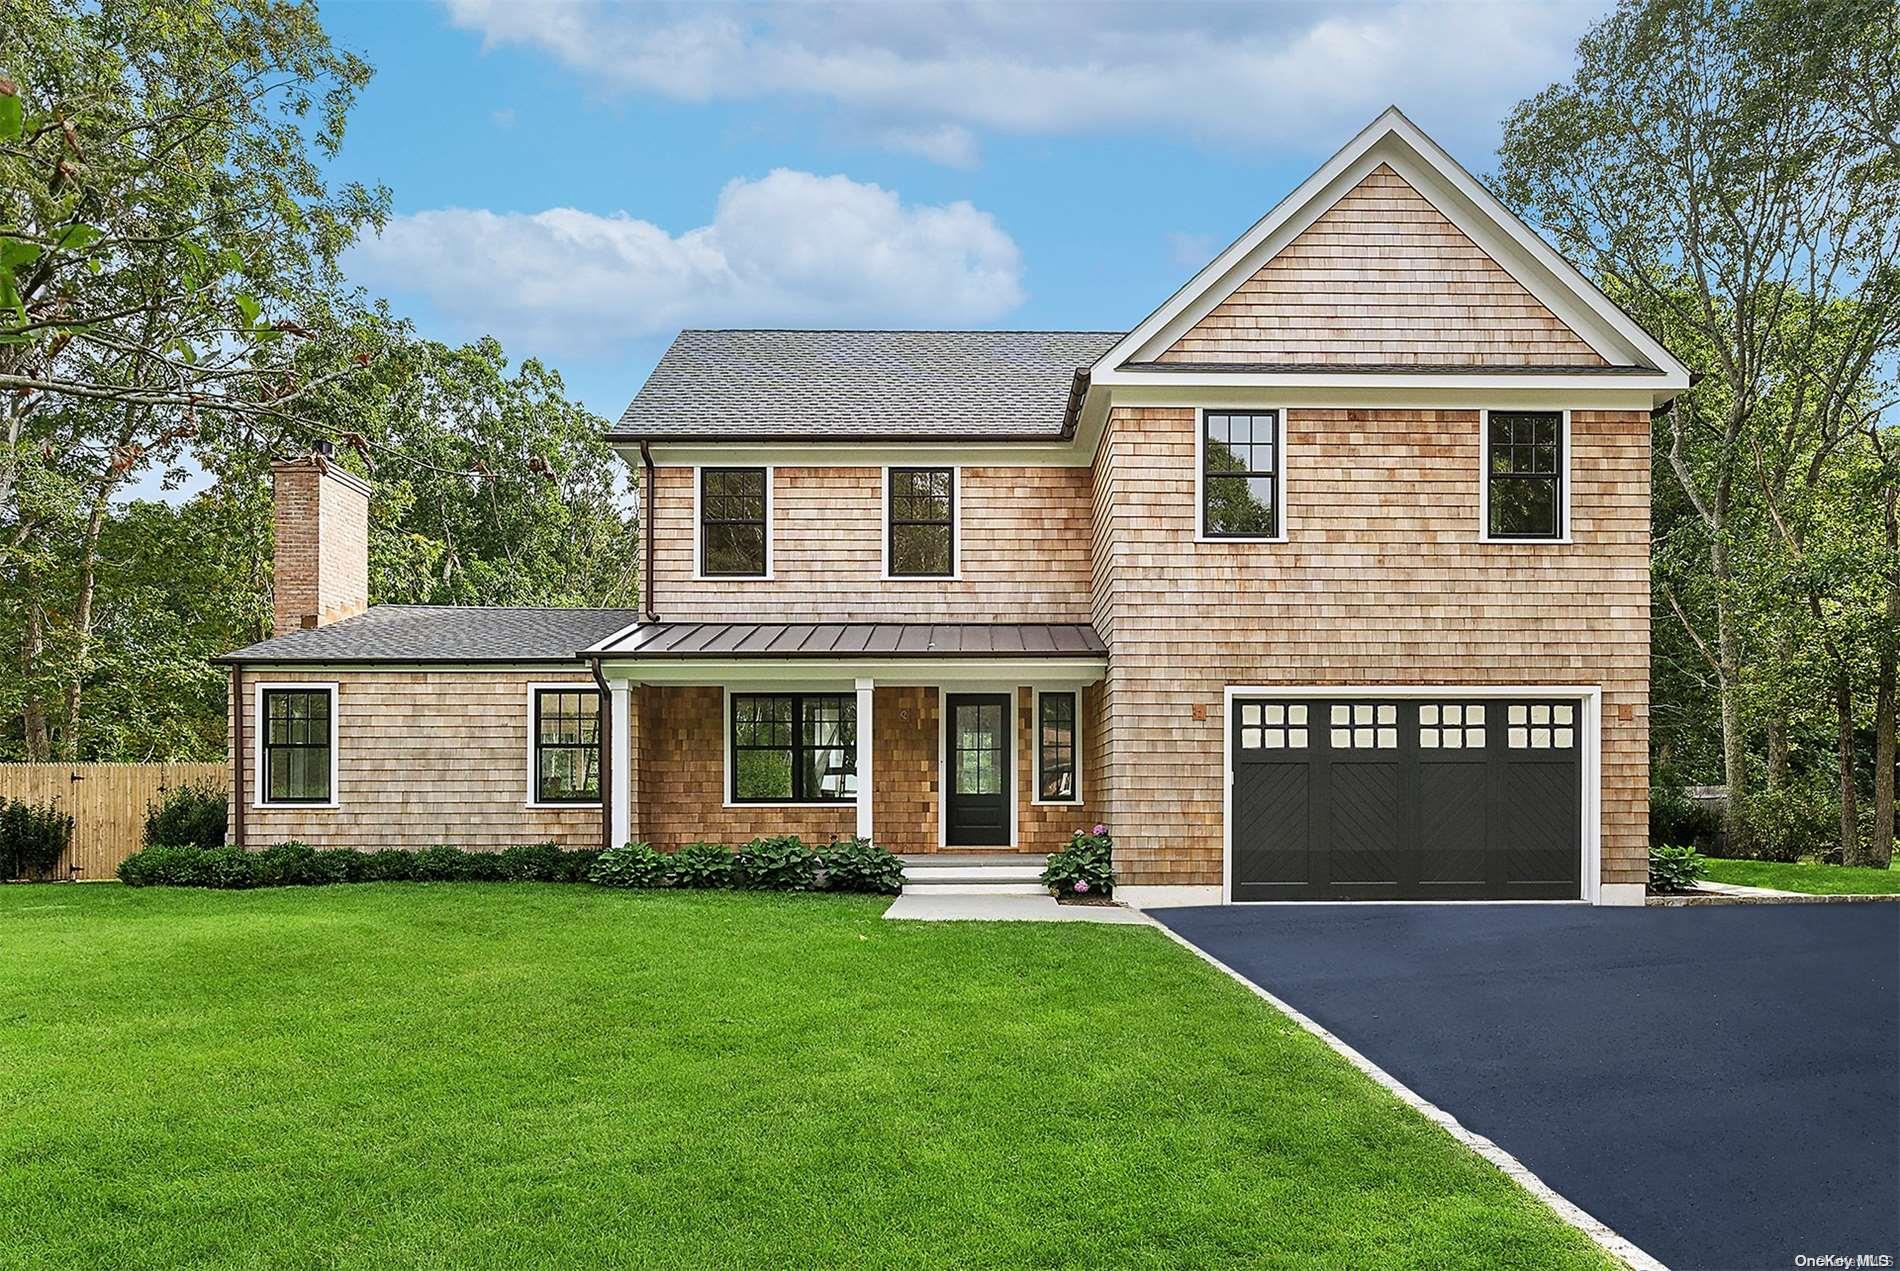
1100 829
1081 886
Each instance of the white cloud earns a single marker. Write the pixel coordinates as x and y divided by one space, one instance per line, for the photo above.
1305 75
952 145
789 248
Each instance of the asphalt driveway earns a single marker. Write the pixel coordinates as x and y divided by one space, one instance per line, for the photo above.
1720 1084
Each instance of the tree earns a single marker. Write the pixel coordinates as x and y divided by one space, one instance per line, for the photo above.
1743 194
168 274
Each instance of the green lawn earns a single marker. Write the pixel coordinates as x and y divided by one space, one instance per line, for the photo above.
494 1075
1818 880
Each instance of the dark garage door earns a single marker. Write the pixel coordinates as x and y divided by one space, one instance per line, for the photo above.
1407 799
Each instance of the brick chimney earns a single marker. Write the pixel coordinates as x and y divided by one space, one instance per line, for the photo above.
322 554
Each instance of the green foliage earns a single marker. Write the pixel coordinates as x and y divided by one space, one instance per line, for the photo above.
228 868
702 865
1674 869
187 816
1785 825
300 865
32 838
1676 818
1085 867
780 863
631 865
858 864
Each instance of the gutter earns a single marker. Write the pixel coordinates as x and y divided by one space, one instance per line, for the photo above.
646 582
606 759
1072 412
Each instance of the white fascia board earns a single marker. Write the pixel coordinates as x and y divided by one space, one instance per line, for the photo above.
1395 140
845 672
834 452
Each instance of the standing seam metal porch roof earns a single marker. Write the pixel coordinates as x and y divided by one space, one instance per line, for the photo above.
857 639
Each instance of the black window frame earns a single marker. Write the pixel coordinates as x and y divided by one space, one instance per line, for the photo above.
1075 746
1208 476
892 521
1554 478
763 521
266 747
797 749
537 774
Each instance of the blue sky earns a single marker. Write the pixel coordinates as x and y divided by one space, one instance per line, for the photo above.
582 179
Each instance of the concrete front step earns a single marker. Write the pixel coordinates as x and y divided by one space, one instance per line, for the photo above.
974 888
974 873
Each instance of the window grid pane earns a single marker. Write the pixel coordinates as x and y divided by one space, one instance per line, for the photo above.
1522 470
732 529
296 745
1239 474
794 748
1055 743
922 529
567 746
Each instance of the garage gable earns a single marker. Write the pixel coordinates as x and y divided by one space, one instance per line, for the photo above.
1382 278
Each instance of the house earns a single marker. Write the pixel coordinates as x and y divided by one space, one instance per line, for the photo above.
1329 580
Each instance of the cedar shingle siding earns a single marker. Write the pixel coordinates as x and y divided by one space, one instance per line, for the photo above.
1382 582
1382 278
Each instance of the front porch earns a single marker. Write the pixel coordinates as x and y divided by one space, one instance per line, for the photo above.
928 739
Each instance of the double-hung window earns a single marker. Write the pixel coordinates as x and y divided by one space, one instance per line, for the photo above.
566 745
1056 733
922 534
1523 474
297 744
1240 474
734 537
793 748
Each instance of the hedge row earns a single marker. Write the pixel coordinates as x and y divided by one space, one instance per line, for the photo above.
300 865
782 863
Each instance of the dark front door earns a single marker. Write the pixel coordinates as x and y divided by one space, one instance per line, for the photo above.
1446 798
976 759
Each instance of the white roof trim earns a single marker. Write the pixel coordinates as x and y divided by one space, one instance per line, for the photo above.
1395 140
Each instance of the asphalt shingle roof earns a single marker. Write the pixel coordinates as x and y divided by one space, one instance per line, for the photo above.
439 633
817 384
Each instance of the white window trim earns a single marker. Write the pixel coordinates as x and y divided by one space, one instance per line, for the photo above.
699 559
956 526
1591 742
535 689
258 801
1484 481
1035 749
943 771
1279 474
727 774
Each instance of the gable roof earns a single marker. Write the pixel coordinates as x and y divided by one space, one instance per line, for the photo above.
1392 141
806 385
443 633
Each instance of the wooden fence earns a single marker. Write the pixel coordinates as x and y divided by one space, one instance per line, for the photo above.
108 802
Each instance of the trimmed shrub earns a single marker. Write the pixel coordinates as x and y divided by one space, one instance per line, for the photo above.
186 816
780 863
858 864
32 839
391 865
440 865
531 863
290 864
632 865
483 867
702 865
1086 867
575 864
224 867
1674 869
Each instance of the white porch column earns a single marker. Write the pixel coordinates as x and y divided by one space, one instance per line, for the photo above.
620 788
865 708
